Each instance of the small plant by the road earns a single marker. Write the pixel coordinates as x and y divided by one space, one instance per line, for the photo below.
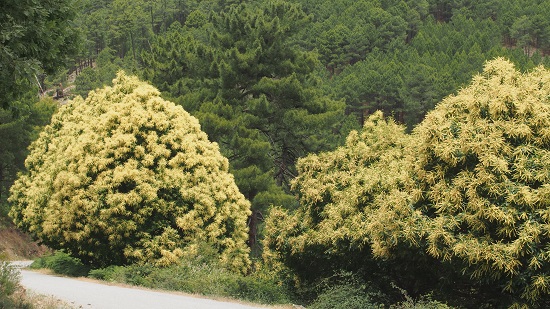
63 264
345 290
8 279
9 284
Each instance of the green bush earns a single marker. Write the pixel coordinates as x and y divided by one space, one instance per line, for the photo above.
345 296
9 277
346 290
63 264
9 283
106 274
424 302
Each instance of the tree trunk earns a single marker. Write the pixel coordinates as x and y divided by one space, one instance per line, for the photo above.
253 220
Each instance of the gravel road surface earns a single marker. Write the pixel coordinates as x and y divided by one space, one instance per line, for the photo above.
90 294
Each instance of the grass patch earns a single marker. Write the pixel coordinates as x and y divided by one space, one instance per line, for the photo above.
198 274
199 278
202 274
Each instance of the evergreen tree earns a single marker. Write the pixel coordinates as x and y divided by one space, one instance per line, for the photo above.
253 93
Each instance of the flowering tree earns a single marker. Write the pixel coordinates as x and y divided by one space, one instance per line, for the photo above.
461 207
125 176
352 205
482 171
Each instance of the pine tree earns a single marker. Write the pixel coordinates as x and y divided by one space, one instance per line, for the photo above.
253 92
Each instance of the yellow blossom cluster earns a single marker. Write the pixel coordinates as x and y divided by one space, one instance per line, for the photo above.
350 198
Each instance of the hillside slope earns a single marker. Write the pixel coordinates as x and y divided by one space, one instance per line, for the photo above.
15 245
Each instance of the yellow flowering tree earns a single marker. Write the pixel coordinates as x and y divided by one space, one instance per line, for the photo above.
127 177
460 208
482 174
353 207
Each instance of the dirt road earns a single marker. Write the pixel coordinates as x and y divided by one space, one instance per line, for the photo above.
89 294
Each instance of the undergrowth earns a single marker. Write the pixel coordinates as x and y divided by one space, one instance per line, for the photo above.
197 274
202 274
347 290
9 286
196 278
62 263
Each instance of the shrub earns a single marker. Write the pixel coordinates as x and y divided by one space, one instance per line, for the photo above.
9 284
353 210
344 296
424 302
346 290
63 264
9 278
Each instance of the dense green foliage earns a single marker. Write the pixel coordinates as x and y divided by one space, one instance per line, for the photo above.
35 37
401 57
16 134
251 91
125 176
62 263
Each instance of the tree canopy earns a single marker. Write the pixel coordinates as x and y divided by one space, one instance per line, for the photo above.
252 90
352 207
125 176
